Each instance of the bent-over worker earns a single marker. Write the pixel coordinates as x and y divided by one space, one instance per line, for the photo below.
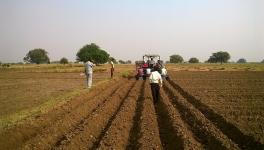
155 84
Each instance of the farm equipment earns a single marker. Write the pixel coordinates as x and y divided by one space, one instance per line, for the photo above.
145 66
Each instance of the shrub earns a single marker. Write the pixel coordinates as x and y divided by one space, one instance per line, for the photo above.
125 74
193 60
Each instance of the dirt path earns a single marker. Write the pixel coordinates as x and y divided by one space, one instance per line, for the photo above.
149 132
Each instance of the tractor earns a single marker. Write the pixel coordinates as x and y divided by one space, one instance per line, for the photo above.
145 66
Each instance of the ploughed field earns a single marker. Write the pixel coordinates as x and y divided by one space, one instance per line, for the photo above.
198 110
24 90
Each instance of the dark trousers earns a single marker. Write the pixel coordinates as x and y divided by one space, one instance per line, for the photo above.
155 89
112 72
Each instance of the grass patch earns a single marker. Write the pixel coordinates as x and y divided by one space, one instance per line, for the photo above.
12 119
125 74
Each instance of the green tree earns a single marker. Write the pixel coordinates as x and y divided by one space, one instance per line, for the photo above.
92 52
64 60
176 59
128 62
37 56
193 60
262 61
220 56
121 62
212 59
242 60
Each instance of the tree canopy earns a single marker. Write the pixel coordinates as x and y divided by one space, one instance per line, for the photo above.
64 60
37 56
121 62
125 62
128 62
242 60
93 53
176 59
220 56
193 60
113 60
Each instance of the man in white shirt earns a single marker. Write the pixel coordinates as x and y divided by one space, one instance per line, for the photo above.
164 73
89 73
155 84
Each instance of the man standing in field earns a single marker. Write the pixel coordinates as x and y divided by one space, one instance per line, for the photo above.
89 73
151 63
112 68
155 84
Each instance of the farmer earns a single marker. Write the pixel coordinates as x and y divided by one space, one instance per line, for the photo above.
151 63
155 84
160 64
164 73
112 68
89 73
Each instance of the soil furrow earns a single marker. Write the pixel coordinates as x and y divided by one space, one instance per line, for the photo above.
135 134
210 136
243 141
78 127
173 131
149 134
40 123
97 124
118 134
56 132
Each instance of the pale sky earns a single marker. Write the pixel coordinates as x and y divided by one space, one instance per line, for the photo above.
127 29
